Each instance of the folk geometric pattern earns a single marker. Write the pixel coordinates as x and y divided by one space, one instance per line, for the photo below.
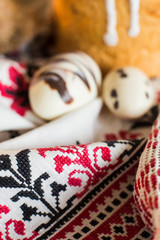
147 184
75 192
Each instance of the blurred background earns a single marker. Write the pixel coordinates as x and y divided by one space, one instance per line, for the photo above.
26 26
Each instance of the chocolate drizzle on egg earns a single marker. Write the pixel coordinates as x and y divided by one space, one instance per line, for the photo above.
79 71
55 81
64 84
69 67
80 64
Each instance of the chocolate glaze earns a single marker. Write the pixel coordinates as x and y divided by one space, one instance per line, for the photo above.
83 78
55 81
80 73
90 70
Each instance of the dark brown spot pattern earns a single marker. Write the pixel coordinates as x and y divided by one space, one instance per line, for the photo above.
114 93
122 73
116 105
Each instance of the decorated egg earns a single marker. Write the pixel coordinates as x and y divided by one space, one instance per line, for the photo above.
68 82
128 92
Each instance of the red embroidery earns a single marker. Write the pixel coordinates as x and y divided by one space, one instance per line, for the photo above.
81 156
60 161
4 209
156 202
139 184
153 162
18 91
154 181
22 65
154 145
147 168
122 135
158 172
149 144
150 202
1 236
147 191
19 226
92 209
156 133
142 178
155 123
147 187
19 229
76 182
136 188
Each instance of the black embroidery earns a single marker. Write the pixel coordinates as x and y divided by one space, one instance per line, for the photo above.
145 234
5 162
56 189
28 212
21 179
9 182
38 184
24 165
25 193
118 229
129 219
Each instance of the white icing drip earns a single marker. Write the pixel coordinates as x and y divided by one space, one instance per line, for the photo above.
134 19
111 37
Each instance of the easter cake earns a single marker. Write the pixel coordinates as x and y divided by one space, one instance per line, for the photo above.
115 33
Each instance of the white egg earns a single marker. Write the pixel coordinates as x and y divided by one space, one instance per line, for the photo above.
67 83
128 92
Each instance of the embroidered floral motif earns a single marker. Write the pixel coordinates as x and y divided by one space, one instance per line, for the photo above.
17 226
17 91
47 189
84 159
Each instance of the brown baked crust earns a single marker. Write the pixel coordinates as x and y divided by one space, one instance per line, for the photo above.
82 24
20 20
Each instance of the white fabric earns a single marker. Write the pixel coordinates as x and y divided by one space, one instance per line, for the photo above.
10 120
67 130
88 124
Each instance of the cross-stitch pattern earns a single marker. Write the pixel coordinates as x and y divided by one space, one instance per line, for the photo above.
71 192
